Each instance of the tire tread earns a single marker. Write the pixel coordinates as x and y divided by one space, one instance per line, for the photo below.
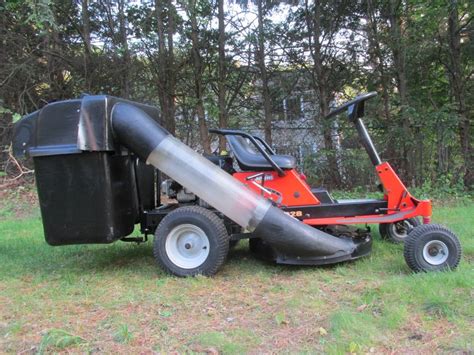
416 233
222 238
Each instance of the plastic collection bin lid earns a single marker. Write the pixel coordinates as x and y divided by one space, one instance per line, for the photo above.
70 127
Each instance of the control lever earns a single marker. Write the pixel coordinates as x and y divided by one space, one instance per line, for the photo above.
263 189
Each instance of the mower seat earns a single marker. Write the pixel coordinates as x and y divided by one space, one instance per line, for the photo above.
249 159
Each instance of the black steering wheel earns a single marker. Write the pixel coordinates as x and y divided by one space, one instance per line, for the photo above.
355 107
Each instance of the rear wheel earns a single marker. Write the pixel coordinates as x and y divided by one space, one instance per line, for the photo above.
397 232
191 241
432 247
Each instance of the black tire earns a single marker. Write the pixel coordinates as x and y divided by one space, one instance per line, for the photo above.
397 232
208 232
432 247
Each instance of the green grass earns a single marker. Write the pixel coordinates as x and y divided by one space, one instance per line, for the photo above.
112 298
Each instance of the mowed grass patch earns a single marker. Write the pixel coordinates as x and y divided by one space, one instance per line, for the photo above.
113 298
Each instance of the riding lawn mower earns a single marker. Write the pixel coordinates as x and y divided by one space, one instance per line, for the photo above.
104 164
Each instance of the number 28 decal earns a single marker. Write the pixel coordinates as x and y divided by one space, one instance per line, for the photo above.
295 213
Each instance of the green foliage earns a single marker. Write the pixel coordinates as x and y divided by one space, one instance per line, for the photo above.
444 190
41 13
46 58
14 115
357 171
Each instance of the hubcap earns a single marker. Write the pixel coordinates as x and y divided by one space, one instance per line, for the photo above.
435 252
187 246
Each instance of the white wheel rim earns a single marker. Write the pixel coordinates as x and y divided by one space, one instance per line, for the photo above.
400 229
435 252
187 246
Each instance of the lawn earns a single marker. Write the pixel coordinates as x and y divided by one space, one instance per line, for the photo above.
112 298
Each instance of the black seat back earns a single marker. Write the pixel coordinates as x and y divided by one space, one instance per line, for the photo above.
249 159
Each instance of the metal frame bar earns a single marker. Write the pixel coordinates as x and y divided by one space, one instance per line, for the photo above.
254 142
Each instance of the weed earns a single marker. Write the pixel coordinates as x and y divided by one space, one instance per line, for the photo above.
59 339
123 334
280 319
438 309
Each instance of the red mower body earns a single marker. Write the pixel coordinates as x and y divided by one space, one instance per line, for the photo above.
295 192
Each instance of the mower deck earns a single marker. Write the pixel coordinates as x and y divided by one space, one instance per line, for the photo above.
267 252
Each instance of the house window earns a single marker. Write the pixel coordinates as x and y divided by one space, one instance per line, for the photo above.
293 108
278 109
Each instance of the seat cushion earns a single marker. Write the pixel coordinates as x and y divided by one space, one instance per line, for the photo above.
250 159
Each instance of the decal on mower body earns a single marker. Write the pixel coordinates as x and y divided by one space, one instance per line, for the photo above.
295 214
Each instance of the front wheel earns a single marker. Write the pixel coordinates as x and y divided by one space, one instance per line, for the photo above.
190 241
432 247
397 232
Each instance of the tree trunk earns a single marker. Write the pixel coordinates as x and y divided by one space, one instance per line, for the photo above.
267 103
198 80
161 60
166 70
171 92
221 87
376 52
458 89
314 24
123 42
55 68
86 34
398 51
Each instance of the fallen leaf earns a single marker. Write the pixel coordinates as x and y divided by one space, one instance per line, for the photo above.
322 331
